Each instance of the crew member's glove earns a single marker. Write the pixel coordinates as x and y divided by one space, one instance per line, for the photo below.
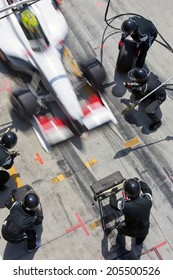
161 97
127 85
14 154
113 199
120 44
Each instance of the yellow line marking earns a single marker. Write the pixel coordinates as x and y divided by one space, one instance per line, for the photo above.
131 143
15 176
72 62
57 179
90 162
62 177
95 224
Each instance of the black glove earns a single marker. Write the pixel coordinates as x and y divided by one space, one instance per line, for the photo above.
14 154
114 191
13 192
161 98
9 202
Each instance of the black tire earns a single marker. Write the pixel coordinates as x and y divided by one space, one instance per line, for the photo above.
4 177
24 103
94 72
127 56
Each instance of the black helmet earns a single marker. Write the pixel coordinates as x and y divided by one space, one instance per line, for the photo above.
139 75
132 188
9 139
128 26
31 201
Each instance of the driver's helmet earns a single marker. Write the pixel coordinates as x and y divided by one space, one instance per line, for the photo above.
128 26
138 75
29 21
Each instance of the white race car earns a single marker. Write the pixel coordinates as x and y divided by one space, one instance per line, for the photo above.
33 34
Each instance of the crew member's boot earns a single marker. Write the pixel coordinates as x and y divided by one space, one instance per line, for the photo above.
155 125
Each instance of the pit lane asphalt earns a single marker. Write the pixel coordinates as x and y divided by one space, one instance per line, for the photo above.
64 201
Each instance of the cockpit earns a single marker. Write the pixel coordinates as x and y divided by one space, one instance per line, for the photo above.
33 30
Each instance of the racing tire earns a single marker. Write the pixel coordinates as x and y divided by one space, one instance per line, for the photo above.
94 72
24 103
127 56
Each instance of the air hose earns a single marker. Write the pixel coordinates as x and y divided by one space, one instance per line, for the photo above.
109 24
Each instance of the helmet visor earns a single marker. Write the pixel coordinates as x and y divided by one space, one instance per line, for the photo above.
31 209
131 74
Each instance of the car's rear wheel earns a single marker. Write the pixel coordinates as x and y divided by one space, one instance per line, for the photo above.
127 56
94 72
24 103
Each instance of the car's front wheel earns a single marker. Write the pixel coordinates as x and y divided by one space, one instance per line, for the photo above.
94 72
24 103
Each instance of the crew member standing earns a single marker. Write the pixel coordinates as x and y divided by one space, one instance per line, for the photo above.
143 32
142 84
136 209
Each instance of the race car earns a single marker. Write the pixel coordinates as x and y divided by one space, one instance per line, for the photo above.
33 34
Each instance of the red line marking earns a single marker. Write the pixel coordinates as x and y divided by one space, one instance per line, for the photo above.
155 249
6 87
80 224
98 47
161 244
38 158
100 4
73 228
158 254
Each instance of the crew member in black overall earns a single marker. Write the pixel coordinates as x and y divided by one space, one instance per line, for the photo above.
25 212
136 209
142 84
8 141
143 32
